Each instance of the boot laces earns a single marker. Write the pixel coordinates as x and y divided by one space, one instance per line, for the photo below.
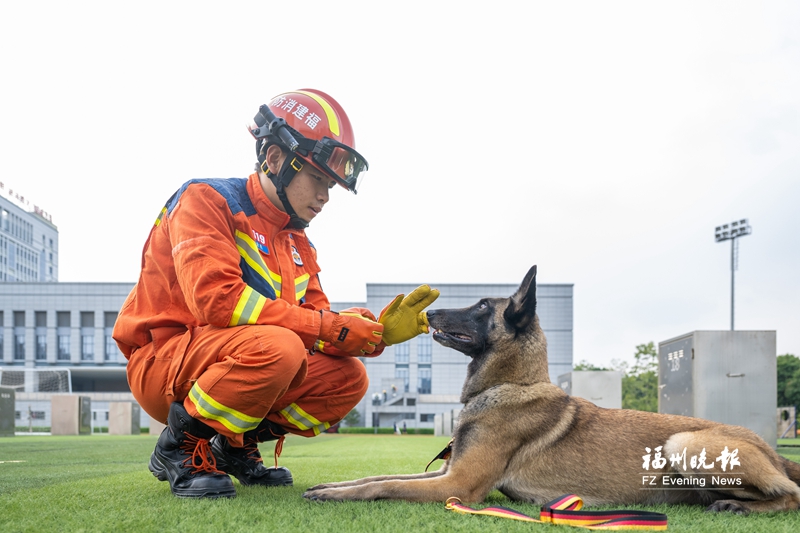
279 448
259 438
251 451
200 459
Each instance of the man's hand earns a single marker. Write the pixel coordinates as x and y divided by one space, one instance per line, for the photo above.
404 318
350 332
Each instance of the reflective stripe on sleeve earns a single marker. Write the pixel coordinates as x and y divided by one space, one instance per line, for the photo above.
248 308
301 286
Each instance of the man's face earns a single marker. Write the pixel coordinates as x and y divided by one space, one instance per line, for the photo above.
308 192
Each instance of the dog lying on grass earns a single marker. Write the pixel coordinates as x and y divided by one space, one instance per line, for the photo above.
522 435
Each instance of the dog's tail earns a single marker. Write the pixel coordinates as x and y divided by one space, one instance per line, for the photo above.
792 470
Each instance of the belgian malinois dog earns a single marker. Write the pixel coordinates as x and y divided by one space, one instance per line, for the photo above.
524 436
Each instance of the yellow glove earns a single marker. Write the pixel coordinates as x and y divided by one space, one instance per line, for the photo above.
404 318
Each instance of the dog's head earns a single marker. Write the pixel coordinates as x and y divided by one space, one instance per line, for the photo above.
502 335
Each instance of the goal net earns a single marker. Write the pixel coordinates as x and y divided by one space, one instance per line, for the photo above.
36 380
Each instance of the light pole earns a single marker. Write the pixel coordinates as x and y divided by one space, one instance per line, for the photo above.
731 232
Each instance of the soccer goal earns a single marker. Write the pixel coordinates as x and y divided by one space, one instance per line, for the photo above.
36 379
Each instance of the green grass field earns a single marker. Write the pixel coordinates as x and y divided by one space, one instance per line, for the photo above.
101 483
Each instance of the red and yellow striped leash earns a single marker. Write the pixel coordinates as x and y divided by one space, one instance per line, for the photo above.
566 511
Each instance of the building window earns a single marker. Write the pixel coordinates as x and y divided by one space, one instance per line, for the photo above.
401 352
41 335
19 335
87 347
87 336
401 375
64 333
426 417
424 348
63 347
424 380
41 347
19 346
111 350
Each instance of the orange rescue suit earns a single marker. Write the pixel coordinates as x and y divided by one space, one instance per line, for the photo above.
225 317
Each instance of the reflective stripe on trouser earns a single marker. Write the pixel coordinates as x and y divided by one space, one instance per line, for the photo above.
229 417
332 388
302 420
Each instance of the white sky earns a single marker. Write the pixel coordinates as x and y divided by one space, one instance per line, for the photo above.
603 141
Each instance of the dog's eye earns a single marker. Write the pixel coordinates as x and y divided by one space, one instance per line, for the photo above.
482 305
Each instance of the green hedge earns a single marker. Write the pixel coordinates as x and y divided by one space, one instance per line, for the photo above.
386 431
46 429
35 429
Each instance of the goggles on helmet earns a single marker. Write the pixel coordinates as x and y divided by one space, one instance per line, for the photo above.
338 160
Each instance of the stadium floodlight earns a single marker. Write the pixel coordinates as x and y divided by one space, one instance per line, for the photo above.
731 232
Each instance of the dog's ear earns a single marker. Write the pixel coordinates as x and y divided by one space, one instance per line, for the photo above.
522 306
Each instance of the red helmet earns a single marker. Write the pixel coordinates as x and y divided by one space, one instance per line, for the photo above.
319 131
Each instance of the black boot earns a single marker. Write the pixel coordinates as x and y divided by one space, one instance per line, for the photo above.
246 463
183 457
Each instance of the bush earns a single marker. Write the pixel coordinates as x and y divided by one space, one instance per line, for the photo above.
381 431
386 431
35 429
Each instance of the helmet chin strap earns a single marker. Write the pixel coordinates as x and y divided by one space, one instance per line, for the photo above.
294 221
290 167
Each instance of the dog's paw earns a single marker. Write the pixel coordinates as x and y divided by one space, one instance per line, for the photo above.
730 506
319 494
338 494
309 494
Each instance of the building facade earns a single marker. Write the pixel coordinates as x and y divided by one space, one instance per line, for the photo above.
28 242
68 326
49 330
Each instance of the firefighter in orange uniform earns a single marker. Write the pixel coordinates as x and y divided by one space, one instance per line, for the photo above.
229 337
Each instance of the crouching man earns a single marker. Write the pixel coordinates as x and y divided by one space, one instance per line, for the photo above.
229 337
